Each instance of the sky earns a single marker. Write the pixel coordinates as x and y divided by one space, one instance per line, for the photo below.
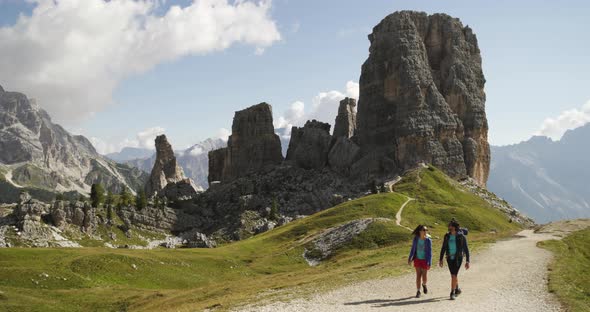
122 71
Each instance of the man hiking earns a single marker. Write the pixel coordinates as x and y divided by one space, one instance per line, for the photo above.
454 247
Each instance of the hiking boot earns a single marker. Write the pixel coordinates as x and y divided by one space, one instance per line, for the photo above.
452 295
425 289
458 291
418 294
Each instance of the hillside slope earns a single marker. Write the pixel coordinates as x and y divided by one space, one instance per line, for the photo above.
102 279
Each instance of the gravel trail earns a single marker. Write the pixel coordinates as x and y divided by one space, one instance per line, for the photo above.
510 275
398 215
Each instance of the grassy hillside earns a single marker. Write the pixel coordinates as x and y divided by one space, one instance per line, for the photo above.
99 279
569 278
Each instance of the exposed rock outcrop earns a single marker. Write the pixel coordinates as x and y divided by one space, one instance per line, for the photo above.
326 243
422 96
345 123
167 178
309 146
252 146
77 213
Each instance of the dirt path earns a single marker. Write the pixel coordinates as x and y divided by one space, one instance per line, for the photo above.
398 215
8 177
508 276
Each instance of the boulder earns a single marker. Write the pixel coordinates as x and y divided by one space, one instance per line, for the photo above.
194 239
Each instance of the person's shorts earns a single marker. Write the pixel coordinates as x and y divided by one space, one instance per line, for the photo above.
454 265
421 264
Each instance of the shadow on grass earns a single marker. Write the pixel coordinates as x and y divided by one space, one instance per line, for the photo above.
382 303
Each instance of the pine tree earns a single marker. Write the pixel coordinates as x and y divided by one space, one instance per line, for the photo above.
125 198
109 202
141 200
274 210
96 195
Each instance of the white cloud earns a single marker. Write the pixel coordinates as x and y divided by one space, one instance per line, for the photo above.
324 107
196 151
72 54
223 134
147 137
567 120
143 139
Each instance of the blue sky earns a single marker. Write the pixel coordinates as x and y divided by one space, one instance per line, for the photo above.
535 59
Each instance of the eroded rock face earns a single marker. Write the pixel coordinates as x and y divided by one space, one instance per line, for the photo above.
167 178
76 213
345 124
342 155
252 146
422 96
309 146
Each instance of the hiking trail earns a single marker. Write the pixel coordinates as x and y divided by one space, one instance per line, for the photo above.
510 275
398 215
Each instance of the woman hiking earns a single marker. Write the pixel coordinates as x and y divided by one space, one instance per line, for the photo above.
421 255
454 247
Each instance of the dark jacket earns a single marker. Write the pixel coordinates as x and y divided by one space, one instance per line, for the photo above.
462 247
427 244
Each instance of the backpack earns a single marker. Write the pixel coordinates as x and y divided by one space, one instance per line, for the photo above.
464 231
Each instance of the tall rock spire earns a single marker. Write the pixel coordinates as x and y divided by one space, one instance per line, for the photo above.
167 177
252 146
422 96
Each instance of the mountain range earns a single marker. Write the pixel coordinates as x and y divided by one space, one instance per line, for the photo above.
545 179
40 156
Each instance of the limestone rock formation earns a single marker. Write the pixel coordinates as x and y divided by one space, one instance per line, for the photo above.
342 155
252 146
309 146
422 96
76 213
167 178
345 124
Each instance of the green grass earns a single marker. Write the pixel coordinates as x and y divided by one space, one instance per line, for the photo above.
264 266
569 276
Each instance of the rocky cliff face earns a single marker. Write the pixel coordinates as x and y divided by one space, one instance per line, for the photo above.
422 97
252 146
309 145
167 178
345 123
34 152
